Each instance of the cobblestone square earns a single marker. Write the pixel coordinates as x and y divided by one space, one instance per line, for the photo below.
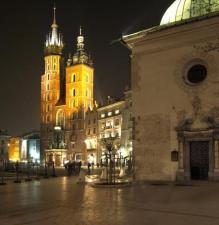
62 201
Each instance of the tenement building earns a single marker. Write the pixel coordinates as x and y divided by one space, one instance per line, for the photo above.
175 84
114 120
66 95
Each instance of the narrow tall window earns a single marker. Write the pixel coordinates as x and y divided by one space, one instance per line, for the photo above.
74 92
73 78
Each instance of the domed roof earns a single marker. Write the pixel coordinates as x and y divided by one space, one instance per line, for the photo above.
187 9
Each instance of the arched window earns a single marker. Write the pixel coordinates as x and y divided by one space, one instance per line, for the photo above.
73 92
87 78
60 118
73 78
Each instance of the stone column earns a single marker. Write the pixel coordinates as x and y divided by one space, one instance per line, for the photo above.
181 163
187 161
180 172
216 160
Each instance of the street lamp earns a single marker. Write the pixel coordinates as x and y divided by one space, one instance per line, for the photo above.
110 155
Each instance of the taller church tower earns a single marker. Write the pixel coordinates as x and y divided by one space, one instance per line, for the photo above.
50 83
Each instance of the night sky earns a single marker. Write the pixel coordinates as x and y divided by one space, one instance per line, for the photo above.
24 26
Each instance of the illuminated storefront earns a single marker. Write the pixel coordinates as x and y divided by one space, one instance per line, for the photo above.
14 149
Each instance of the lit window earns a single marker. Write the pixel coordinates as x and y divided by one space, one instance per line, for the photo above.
110 113
103 115
87 78
73 78
117 122
117 111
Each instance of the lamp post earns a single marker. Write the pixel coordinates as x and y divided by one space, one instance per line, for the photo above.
110 156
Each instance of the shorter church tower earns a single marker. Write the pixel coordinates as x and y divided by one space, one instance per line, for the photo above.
50 83
79 95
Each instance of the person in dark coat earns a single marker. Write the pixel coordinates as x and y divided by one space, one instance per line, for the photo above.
79 166
88 168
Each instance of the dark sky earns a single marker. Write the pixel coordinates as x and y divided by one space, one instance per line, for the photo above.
24 25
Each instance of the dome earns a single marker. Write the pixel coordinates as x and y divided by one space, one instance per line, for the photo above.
187 9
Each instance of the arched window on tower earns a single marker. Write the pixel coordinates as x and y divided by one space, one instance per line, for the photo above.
73 78
87 78
74 92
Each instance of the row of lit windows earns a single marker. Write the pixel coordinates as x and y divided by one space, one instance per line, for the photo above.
107 135
50 97
52 64
116 112
94 121
74 93
73 104
47 119
74 78
89 131
110 124
54 67
47 108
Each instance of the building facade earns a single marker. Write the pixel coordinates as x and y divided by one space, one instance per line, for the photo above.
4 144
66 95
30 147
14 149
111 120
175 94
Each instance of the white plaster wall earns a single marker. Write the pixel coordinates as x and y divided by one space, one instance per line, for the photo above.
160 94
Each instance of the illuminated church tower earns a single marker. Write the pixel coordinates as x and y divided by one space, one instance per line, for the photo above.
66 96
50 83
79 95
79 80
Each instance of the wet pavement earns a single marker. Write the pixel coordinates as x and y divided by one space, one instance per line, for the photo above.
63 201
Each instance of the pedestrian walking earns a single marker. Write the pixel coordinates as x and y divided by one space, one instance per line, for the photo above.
79 167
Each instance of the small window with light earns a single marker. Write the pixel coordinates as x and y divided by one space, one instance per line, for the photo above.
103 115
117 112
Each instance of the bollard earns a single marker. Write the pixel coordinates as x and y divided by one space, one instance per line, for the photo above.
28 179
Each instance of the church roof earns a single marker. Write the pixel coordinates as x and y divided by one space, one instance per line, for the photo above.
187 9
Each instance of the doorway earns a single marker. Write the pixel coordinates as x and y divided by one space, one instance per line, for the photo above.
199 160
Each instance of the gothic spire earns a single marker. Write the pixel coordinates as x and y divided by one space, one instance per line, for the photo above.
54 42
